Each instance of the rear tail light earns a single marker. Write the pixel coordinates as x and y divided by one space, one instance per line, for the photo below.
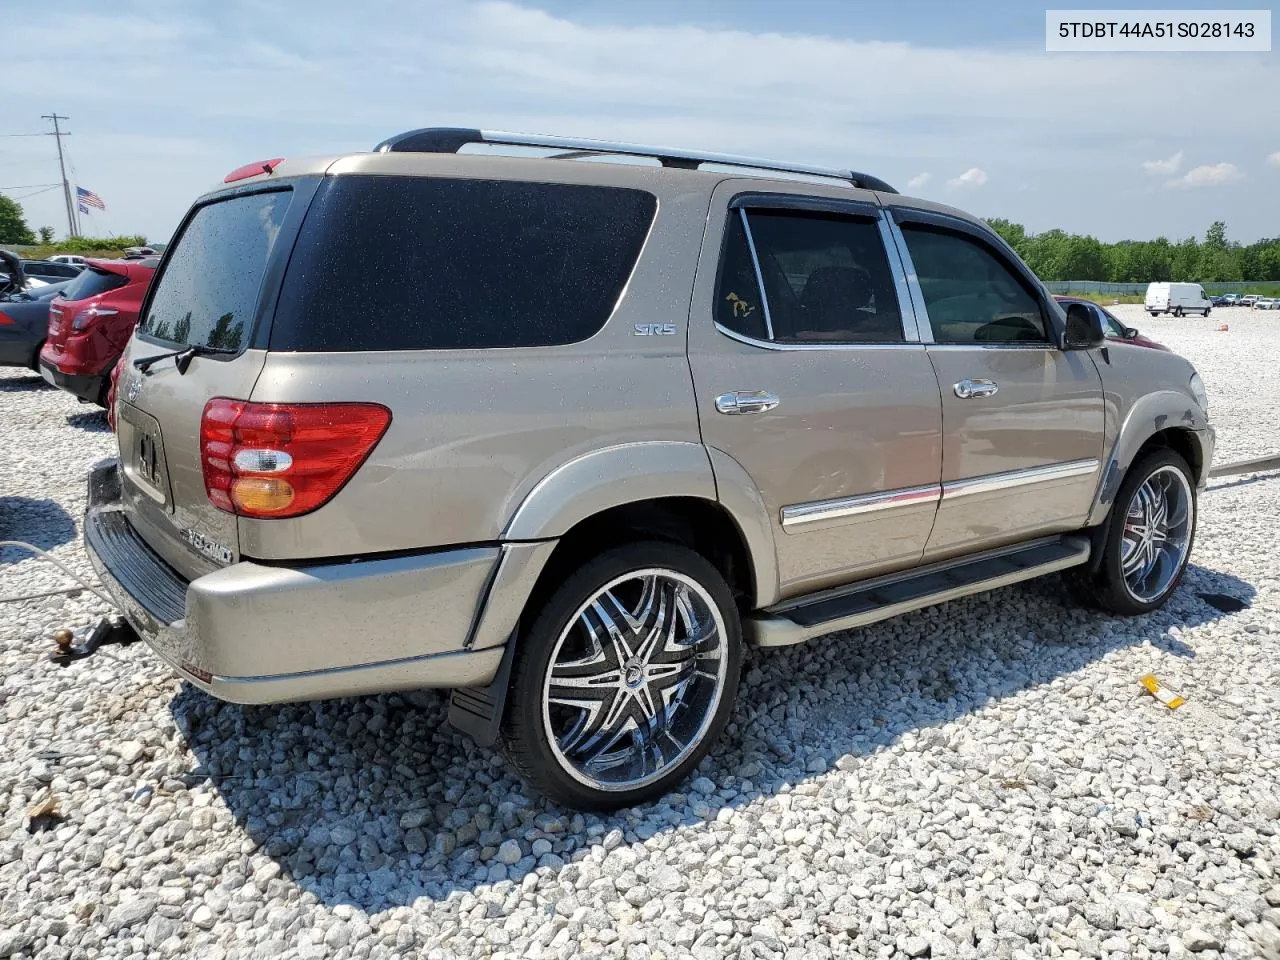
283 459
90 314
6 321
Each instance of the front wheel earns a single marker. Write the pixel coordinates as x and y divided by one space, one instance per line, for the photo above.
1206 312
625 678
1149 536
1177 311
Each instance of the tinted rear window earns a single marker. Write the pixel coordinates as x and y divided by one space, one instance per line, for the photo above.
91 282
400 263
209 288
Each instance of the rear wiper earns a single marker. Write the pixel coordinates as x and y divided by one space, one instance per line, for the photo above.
182 357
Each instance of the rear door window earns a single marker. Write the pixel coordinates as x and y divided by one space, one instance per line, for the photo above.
208 291
91 282
827 278
417 263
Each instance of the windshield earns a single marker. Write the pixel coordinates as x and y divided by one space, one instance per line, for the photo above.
208 291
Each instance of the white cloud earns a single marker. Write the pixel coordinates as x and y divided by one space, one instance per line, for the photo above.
1164 167
346 76
1274 159
973 177
920 179
1209 175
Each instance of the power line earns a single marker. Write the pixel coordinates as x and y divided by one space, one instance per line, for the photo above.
29 134
66 186
28 186
33 193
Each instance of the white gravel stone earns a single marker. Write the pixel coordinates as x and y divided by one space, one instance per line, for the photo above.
983 779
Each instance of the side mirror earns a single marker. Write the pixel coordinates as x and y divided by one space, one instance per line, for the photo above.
1131 333
1084 329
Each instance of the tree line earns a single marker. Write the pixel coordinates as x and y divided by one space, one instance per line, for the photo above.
1058 255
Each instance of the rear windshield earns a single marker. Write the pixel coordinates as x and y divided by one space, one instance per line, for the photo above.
209 288
91 282
400 263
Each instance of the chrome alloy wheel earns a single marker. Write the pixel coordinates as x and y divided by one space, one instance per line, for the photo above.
1157 533
635 679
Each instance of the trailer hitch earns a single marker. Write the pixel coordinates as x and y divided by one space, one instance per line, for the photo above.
108 630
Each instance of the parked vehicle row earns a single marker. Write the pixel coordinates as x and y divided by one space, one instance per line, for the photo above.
727 400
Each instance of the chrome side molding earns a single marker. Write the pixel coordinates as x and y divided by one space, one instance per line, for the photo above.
1019 478
818 511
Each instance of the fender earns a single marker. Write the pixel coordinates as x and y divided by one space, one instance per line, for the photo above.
611 477
649 470
1162 410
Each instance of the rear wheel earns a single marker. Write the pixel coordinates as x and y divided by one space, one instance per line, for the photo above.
1150 532
625 678
35 357
1177 311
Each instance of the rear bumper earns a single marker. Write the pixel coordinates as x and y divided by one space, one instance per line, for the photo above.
87 387
253 633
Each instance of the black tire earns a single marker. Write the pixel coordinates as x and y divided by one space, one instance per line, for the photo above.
525 738
35 357
1177 311
1206 313
1107 589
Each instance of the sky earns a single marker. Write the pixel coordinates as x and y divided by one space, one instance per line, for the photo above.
950 100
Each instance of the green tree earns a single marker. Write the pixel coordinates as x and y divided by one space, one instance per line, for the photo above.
1014 234
13 224
1215 238
182 330
46 234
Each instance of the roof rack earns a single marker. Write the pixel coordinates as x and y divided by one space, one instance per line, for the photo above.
453 139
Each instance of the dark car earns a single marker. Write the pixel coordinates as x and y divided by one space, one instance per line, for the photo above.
1113 328
51 272
1221 300
24 323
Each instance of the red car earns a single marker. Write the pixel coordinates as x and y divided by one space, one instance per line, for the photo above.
1113 328
90 323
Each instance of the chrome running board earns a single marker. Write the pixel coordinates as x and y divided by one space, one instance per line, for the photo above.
860 604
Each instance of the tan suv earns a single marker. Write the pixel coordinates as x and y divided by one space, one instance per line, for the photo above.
561 433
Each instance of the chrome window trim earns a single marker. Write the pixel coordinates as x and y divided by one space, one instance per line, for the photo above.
834 345
924 328
755 262
906 305
817 511
994 482
993 345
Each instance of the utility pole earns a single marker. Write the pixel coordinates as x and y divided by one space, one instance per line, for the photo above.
66 185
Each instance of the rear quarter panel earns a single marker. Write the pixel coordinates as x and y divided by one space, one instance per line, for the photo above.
473 432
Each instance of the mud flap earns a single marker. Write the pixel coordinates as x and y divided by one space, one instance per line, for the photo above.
477 711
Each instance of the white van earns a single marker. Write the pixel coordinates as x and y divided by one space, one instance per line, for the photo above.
1176 298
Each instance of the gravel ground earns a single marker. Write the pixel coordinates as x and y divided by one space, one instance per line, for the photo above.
984 779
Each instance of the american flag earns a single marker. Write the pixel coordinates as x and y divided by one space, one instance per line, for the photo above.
87 199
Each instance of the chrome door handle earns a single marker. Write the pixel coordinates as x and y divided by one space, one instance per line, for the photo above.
968 389
746 401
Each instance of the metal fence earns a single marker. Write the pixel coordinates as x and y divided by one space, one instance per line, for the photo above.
1137 289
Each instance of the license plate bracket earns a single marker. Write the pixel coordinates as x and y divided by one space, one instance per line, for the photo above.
142 447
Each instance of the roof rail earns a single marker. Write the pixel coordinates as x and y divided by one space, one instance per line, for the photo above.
452 139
